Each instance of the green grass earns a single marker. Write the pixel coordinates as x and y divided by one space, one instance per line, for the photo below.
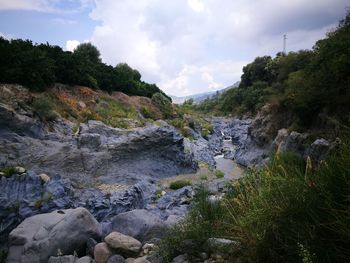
9 171
289 211
219 174
43 106
179 184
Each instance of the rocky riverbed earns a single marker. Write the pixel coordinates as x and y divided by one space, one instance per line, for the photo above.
90 190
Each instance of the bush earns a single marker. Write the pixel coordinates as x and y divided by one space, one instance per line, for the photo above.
163 103
179 184
205 219
148 113
43 106
219 174
9 171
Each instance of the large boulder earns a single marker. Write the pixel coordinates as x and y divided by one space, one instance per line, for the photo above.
41 236
140 224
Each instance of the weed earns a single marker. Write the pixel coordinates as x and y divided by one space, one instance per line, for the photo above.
219 174
179 184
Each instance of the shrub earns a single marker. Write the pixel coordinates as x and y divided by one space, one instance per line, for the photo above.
205 219
179 184
163 103
148 113
9 171
219 174
43 106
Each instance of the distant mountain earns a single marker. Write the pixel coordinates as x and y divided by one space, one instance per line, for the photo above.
201 96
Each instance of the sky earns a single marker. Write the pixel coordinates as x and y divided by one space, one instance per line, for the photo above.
184 46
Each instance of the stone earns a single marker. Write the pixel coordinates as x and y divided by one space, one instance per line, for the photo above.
116 259
102 253
148 248
19 169
41 236
90 246
140 224
63 259
222 245
124 243
318 150
90 140
85 259
44 177
181 259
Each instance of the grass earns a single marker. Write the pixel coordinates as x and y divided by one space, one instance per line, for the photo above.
289 211
43 106
179 184
9 171
219 174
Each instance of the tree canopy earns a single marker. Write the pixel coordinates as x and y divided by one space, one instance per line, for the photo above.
38 66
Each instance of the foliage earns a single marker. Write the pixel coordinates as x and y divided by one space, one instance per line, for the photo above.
204 220
219 174
304 83
163 103
9 171
179 184
43 106
39 66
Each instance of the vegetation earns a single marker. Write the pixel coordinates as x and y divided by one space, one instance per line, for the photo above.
179 184
39 66
304 83
219 174
290 211
9 171
43 106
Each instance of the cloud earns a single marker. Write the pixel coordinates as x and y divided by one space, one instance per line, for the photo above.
61 21
46 6
71 45
189 46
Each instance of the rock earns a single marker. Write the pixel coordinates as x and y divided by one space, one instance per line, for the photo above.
90 246
102 253
281 137
172 220
19 169
140 224
181 259
175 198
148 249
85 259
155 258
116 259
90 140
318 150
294 143
44 177
124 243
63 259
222 245
41 236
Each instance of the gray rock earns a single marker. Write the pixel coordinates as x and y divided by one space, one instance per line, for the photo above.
116 259
294 143
222 245
85 259
180 259
140 224
123 243
41 236
63 259
318 150
90 140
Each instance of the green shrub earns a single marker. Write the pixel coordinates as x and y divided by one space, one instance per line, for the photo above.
179 184
219 174
203 177
148 113
9 171
205 219
163 103
44 107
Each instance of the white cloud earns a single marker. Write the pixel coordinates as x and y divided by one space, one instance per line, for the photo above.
71 45
46 6
189 46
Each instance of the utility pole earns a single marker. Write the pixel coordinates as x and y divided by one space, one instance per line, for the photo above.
284 44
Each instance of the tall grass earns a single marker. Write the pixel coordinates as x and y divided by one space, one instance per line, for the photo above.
290 211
